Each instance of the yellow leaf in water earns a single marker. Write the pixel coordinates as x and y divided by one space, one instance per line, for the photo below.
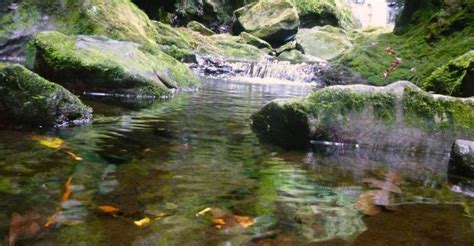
142 222
67 190
108 209
203 212
218 223
245 221
365 203
53 219
50 142
74 156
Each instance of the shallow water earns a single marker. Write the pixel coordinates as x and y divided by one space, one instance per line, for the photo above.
169 160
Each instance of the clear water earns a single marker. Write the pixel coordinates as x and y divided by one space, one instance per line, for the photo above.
169 160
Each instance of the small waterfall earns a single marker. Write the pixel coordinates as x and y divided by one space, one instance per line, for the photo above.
269 70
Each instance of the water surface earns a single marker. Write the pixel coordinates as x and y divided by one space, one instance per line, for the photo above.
169 160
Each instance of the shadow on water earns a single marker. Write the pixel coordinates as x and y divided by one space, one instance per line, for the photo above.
169 160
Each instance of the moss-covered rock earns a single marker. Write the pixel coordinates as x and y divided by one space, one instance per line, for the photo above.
284 123
200 28
119 19
399 115
324 12
275 21
93 63
324 42
247 38
26 98
455 78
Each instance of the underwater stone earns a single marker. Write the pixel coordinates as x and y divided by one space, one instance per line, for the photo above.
26 98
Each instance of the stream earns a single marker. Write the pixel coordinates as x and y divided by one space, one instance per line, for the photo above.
168 160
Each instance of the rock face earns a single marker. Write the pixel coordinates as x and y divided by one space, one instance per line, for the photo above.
398 115
455 78
98 64
26 98
462 159
324 42
275 21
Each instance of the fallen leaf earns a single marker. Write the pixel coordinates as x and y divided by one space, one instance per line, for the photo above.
365 204
244 221
74 156
53 218
50 142
22 226
67 190
142 222
383 184
108 209
203 212
218 223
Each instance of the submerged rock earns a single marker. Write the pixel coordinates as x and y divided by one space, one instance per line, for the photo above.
324 42
462 159
26 98
275 21
398 115
455 78
98 64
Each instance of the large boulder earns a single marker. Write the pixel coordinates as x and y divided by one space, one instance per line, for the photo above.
98 64
398 115
324 42
462 159
456 78
324 12
26 98
119 19
275 21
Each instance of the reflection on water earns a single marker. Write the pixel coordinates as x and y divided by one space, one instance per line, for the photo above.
168 160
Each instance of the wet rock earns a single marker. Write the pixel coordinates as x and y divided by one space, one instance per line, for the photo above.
200 28
275 21
26 98
324 42
462 159
267 68
398 115
284 123
455 78
98 64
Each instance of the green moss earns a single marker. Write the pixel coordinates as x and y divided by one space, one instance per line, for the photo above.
419 58
316 9
100 64
26 98
420 49
331 105
422 109
452 78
